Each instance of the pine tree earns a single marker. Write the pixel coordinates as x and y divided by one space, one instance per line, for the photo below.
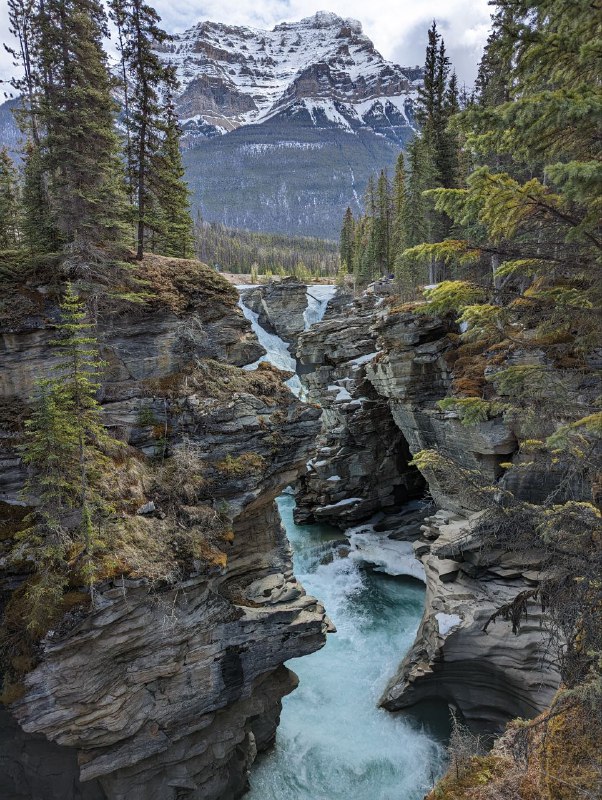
39 230
382 228
66 452
347 239
78 144
10 203
400 208
145 79
21 16
170 220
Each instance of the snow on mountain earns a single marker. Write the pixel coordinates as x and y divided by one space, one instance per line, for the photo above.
323 66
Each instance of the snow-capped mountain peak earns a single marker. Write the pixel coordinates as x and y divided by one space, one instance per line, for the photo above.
322 65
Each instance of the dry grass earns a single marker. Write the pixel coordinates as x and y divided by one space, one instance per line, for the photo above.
180 284
557 756
217 381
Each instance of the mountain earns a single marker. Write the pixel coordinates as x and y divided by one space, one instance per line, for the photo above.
282 128
322 66
10 135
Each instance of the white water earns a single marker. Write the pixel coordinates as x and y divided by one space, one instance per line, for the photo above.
277 350
333 742
318 296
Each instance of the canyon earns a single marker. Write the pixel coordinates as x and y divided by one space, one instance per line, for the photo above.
173 681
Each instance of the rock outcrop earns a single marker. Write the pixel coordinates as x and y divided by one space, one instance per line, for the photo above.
169 685
489 676
380 372
361 463
280 307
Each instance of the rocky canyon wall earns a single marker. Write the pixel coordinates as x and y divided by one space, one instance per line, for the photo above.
171 681
379 372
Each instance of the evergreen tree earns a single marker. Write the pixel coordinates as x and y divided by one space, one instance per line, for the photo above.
400 208
382 226
21 16
39 231
151 128
347 240
170 220
10 204
66 452
74 110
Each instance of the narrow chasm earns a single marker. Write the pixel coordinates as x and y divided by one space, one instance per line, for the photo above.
356 555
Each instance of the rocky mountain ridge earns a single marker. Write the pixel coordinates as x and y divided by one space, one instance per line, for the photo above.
322 67
282 128
297 119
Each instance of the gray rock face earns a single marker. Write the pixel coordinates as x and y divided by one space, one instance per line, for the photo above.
168 688
360 466
280 306
233 76
396 362
413 374
490 677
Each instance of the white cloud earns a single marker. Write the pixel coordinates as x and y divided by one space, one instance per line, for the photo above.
397 27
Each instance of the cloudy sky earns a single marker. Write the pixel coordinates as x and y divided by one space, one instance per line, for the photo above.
397 27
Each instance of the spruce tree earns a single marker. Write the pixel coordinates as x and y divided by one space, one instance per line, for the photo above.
10 203
347 239
66 452
21 20
382 229
400 208
169 220
40 233
145 79
79 149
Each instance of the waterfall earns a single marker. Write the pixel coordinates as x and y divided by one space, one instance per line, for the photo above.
318 296
277 350
333 742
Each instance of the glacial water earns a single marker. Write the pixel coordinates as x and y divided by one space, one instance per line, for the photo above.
333 742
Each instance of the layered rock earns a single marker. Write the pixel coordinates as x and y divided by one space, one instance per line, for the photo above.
233 75
489 676
280 307
397 365
172 681
361 463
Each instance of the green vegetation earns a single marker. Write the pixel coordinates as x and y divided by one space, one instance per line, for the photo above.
154 163
240 465
85 194
500 207
238 251
67 449
399 216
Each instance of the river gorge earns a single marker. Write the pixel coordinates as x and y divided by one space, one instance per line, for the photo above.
179 681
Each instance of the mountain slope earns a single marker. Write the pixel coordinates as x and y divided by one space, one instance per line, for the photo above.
233 76
282 128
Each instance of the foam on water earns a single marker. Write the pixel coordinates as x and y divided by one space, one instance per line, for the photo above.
277 350
333 742
318 296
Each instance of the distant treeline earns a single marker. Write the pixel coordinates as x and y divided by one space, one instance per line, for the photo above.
240 251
